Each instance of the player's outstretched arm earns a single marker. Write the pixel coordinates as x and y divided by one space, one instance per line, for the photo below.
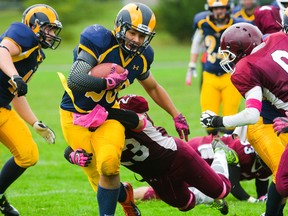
161 97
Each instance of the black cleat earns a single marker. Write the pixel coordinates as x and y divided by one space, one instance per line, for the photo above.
221 205
6 208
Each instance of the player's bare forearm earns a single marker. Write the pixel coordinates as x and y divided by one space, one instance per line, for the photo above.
22 107
160 96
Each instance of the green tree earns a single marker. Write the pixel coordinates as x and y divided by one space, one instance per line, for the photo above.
176 17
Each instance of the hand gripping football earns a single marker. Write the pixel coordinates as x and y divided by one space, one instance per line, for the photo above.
114 74
104 69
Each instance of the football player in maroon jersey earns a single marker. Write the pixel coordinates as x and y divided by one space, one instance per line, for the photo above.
250 166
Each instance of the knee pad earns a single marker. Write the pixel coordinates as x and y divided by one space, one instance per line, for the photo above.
28 158
108 161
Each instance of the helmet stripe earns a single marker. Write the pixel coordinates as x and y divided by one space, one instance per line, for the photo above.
146 14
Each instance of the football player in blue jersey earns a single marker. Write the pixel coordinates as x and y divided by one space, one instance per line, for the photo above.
217 89
21 52
127 45
245 9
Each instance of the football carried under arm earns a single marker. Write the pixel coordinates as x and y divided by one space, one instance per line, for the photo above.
114 74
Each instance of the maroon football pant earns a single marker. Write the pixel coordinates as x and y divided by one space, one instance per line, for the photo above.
189 170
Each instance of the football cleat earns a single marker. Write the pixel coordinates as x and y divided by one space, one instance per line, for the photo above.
221 205
231 155
6 208
129 205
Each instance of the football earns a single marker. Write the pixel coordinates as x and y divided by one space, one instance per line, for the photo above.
103 69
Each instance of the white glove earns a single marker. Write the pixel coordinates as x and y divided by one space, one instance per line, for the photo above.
44 131
252 200
191 72
206 151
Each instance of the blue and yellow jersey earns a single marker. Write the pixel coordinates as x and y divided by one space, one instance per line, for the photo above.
103 46
212 34
26 62
239 12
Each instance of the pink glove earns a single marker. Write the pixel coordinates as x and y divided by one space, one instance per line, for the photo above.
181 126
80 157
281 124
115 79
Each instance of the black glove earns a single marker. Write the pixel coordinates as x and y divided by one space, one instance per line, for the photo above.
21 86
210 119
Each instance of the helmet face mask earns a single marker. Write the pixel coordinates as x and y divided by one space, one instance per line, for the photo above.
44 22
216 7
283 4
236 42
227 62
135 17
285 21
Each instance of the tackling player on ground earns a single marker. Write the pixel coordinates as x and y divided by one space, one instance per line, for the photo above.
169 165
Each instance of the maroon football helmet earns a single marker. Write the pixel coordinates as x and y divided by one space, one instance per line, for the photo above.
135 103
236 42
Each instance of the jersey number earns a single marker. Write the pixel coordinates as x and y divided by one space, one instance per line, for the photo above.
277 57
140 152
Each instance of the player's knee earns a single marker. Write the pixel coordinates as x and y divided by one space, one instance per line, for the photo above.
226 188
27 159
110 164
190 204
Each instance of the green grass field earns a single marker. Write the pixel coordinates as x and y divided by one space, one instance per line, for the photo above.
56 188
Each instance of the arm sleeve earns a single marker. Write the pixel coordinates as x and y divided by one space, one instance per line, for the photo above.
250 115
80 80
236 189
67 152
261 187
197 47
127 118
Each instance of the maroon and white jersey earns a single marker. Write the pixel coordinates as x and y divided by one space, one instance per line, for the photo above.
149 152
267 68
267 19
250 166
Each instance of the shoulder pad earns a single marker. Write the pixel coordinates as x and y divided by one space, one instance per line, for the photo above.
199 16
96 36
22 35
149 55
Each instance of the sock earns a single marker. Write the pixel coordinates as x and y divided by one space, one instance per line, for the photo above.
9 173
122 194
107 200
219 164
274 201
201 198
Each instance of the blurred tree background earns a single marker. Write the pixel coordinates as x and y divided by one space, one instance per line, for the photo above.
174 17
